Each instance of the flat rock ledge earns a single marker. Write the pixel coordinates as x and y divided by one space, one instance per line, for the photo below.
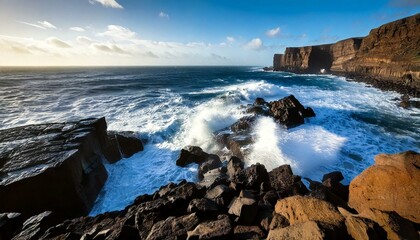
57 167
245 203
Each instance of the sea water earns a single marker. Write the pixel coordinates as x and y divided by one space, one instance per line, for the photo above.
171 107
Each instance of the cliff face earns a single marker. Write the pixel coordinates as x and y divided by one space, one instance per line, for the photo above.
389 53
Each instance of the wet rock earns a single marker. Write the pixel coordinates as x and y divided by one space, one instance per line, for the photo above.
191 154
253 176
234 166
212 162
287 184
218 229
238 144
10 224
245 209
56 167
289 112
334 177
338 189
243 124
391 184
248 232
213 178
35 226
121 145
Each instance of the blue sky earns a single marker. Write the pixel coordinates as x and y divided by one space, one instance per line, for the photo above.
169 32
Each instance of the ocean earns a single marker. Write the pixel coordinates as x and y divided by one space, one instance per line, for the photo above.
171 107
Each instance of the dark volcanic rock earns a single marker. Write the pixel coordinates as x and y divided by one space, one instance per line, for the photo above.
121 145
191 154
212 162
234 167
287 184
218 229
56 167
245 209
35 226
253 176
10 224
290 112
243 124
221 194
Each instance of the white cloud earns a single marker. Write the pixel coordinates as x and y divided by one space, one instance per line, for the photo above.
84 40
110 48
273 32
255 44
163 15
118 32
77 29
107 3
46 24
40 24
230 39
54 41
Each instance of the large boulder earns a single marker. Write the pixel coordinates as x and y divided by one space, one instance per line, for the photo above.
212 162
245 209
253 176
121 145
191 154
362 228
287 184
217 229
52 167
306 230
298 209
391 184
173 228
290 112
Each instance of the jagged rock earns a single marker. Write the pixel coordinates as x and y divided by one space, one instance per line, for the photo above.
305 230
212 162
213 178
391 184
395 226
238 143
248 232
35 226
298 209
264 217
271 198
338 189
191 154
234 167
56 167
253 176
245 209
362 228
121 145
278 221
243 124
287 184
10 224
221 194
218 229
289 112
202 205
334 177
173 228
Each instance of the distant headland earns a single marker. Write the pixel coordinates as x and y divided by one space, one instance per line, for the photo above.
388 58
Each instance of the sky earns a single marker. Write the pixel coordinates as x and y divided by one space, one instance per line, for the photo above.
180 32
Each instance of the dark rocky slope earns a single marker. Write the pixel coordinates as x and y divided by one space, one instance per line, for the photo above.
389 57
57 166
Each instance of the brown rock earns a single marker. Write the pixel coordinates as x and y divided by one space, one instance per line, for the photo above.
289 112
362 228
173 228
234 167
395 226
306 230
298 209
391 184
248 232
218 229
278 221
221 194
212 162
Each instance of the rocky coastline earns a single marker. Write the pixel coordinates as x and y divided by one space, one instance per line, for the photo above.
50 175
388 58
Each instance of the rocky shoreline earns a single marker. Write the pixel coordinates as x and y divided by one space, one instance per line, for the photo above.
231 201
387 58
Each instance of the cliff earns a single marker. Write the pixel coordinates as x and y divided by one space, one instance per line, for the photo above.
390 53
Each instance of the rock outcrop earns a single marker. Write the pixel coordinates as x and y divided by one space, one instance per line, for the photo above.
391 184
57 167
388 57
